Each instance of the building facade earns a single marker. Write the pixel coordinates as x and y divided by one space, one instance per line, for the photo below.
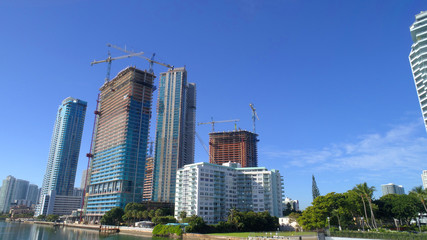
418 59
120 143
6 193
174 144
33 192
210 190
148 181
424 179
62 204
64 149
237 146
392 189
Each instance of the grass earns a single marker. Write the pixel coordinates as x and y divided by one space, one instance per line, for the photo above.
252 234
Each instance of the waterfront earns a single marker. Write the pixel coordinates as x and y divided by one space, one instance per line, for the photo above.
24 231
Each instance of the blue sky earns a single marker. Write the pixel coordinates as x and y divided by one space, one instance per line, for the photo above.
330 80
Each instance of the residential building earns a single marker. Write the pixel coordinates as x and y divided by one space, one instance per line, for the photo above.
418 58
61 204
211 190
424 178
392 189
64 150
33 192
294 204
20 190
15 192
120 143
174 144
148 181
6 193
84 178
239 146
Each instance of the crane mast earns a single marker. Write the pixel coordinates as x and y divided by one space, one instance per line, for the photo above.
254 115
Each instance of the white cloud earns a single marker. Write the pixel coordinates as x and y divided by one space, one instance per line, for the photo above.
399 150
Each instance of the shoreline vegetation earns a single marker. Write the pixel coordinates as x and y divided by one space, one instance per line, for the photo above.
143 232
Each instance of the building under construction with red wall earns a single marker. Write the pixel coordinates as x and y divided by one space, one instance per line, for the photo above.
239 146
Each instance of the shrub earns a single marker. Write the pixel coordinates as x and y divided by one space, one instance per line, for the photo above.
166 231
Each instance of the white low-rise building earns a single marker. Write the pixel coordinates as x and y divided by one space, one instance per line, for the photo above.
210 191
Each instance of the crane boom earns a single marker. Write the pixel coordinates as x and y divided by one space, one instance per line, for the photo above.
110 59
213 123
151 61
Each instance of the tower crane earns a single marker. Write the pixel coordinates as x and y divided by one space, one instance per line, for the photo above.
151 61
213 123
110 59
254 115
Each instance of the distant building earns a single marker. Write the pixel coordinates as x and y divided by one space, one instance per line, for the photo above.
148 181
176 120
33 192
64 151
237 146
6 193
392 189
424 178
210 190
417 59
293 203
61 204
84 178
120 142
16 192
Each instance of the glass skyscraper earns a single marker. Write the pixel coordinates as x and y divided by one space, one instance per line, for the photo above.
64 150
176 116
418 60
120 142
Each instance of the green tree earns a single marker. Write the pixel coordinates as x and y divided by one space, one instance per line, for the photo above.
145 214
182 215
113 217
366 192
151 213
159 212
134 206
197 225
314 188
421 194
399 206
315 216
41 217
52 217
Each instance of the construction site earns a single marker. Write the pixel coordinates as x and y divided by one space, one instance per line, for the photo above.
238 146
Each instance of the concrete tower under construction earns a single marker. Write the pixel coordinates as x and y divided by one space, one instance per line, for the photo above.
120 142
176 121
237 146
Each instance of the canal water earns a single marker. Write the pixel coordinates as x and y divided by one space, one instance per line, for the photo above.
26 231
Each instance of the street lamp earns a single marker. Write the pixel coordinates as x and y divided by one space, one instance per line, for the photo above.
329 223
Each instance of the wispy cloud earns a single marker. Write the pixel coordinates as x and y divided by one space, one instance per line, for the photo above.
398 150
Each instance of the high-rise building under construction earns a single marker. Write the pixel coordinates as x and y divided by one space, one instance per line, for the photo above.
237 146
120 142
176 118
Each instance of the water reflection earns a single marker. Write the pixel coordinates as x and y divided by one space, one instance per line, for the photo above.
13 231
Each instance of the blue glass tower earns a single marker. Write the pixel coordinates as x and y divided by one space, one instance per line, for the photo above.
176 118
64 149
120 143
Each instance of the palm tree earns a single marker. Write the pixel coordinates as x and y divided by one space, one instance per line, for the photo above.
420 193
366 192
